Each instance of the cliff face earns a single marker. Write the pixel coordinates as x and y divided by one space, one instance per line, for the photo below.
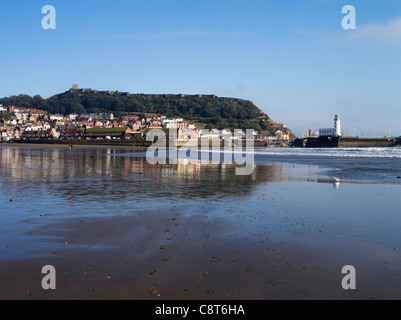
205 110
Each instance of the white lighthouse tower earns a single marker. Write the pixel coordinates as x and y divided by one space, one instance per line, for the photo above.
337 126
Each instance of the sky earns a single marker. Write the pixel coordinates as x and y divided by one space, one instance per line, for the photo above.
292 58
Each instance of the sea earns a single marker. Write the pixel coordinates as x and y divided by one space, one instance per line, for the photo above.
375 165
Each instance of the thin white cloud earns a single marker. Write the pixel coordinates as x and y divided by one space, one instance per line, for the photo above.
302 31
306 31
389 33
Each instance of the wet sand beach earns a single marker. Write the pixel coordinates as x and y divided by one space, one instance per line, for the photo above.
115 227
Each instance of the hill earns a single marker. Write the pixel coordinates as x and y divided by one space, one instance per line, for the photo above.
206 111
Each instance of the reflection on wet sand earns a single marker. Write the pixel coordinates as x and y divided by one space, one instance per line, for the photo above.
94 174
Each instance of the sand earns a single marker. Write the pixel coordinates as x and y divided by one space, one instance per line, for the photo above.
148 258
118 228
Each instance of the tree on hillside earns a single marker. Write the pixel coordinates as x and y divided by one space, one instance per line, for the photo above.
217 112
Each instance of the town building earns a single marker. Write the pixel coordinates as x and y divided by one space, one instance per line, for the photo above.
56 117
174 123
262 135
72 116
35 135
282 137
310 133
188 134
273 138
212 134
131 117
10 132
72 134
106 133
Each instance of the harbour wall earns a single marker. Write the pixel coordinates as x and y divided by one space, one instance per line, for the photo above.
357 142
316 142
345 142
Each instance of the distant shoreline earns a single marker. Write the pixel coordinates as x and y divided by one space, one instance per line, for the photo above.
137 144
81 143
61 145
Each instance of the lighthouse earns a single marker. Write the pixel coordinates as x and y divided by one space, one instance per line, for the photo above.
337 126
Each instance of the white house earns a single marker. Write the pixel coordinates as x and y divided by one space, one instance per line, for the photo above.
56 117
212 134
34 127
167 121
329 132
72 116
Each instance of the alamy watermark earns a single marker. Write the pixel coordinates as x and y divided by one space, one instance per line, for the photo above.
349 21
349 281
49 281
49 20
226 147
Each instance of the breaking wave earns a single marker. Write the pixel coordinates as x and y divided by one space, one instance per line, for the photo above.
394 152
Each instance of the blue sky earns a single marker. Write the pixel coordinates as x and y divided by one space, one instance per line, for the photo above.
290 57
